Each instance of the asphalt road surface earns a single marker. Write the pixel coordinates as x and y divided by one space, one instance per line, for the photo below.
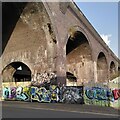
18 109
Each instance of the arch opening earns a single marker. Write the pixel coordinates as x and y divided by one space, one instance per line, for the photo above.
112 69
118 71
71 77
16 72
102 70
113 72
79 58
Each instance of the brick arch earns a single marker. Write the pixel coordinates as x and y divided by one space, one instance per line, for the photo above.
79 56
16 70
73 29
112 69
12 13
19 47
102 67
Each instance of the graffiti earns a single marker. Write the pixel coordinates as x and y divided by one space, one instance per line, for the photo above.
40 79
15 93
9 93
55 93
64 94
116 94
43 95
101 96
73 95
40 94
98 93
21 94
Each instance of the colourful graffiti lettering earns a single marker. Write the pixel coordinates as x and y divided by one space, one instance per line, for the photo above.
40 94
54 92
73 95
6 93
15 93
12 93
44 95
66 94
20 95
9 93
97 93
34 94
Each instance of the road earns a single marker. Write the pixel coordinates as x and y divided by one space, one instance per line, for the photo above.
18 109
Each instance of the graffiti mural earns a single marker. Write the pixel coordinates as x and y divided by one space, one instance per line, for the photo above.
40 94
101 96
65 94
15 93
9 93
54 93
98 93
21 94
73 95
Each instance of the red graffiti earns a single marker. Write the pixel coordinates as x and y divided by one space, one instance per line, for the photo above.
116 93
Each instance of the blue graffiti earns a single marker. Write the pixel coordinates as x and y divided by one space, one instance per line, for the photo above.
20 95
55 93
98 93
9 93
6 92
40 94
51 94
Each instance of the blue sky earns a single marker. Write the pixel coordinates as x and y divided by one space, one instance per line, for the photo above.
104 18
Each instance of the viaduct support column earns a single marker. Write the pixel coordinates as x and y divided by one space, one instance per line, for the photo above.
60 64
95 71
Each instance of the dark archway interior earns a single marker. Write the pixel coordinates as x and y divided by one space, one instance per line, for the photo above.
11 12
71 77
78 57
118 68
19 72
102 67
101 61
73 42
112 67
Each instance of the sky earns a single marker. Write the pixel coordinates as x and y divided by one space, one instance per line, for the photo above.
104 18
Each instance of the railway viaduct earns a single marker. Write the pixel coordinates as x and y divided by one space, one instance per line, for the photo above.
40 37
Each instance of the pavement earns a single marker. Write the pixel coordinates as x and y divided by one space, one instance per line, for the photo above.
10 108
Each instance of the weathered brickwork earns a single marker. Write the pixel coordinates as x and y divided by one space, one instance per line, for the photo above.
56 37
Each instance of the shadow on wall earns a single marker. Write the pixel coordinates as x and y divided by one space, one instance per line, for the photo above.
11 12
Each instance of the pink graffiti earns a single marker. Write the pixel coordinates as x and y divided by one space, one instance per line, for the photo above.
116 93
